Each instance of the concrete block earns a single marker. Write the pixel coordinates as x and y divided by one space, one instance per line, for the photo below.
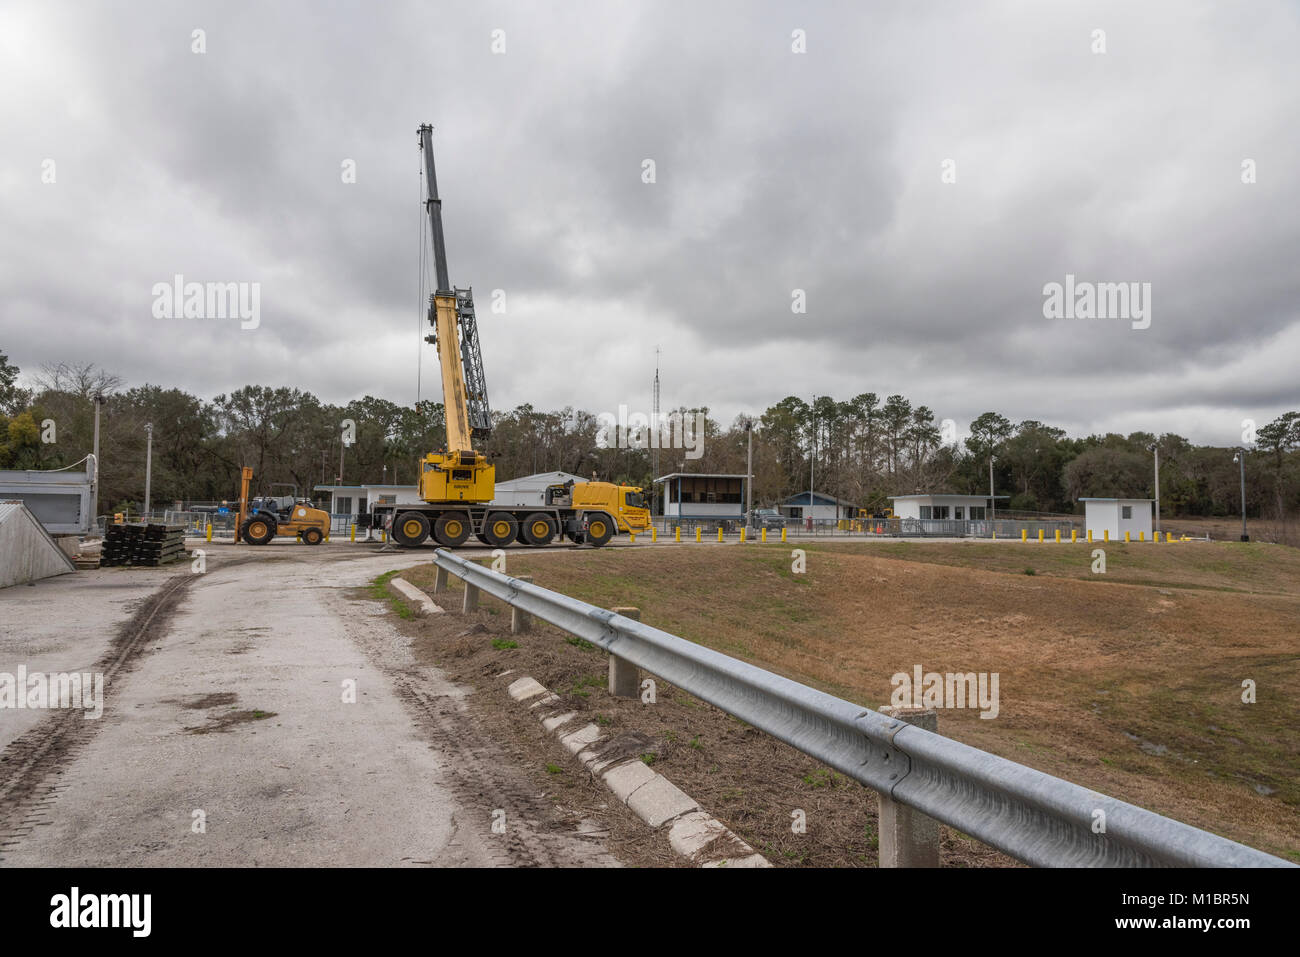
575 741
624 779
660 800
691 833
525 688
754 860
550 724
424 604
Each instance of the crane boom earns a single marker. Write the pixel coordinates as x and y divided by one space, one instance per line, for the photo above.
451 313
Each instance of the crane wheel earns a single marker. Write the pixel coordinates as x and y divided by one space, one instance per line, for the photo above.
452 529
538 529
600 529
410 529
312 536
258 530
499 529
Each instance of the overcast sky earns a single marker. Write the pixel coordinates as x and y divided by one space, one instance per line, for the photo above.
775 170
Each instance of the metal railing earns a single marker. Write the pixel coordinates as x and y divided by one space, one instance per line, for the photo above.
1031 816
871 527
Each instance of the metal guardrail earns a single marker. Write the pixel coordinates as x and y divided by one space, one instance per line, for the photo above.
1031 816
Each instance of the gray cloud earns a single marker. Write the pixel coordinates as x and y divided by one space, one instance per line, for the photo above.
775 171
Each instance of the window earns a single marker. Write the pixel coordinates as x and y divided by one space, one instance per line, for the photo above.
977 513
941 511
957 512
343 505
925 511
1126 511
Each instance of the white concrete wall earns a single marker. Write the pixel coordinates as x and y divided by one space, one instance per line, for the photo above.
1140 523
908 507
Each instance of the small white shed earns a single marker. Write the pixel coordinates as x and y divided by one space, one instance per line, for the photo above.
1114 516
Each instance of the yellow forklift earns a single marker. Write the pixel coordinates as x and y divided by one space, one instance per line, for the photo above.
263 518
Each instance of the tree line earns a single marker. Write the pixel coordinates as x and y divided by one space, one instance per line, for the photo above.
860 450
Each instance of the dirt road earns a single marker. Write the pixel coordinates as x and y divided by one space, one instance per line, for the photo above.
260 713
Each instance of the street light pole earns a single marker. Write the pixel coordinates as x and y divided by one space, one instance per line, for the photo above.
1240 459
148 467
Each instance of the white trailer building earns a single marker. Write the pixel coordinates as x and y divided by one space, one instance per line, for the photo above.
1115 516
960 508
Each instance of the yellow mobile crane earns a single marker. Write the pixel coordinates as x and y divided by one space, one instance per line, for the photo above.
457 485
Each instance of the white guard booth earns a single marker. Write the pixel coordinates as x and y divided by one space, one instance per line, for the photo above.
1115 516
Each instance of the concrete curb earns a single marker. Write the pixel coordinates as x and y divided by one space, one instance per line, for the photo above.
426 604
692 832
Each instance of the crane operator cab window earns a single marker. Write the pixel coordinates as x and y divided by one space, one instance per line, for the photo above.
634 500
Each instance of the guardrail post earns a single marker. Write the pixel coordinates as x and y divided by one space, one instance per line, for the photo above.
439 580
624 677
908 838
471 599
520 620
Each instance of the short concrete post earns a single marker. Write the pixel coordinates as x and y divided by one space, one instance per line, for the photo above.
624 677
471 599
520 620
908 838
439 579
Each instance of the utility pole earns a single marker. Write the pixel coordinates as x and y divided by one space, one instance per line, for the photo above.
993 503
148 466
812 466
94 492
749 473
1156 449
1240 459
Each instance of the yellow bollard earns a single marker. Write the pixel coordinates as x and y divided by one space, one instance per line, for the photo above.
1126 537
1105 534
654 534
209 535
783 534
1040 536
678 533
1058 536
1074 535
698 533
383 536
631 537
719 533
1024 534
353 532
763 535
1089 536
742 534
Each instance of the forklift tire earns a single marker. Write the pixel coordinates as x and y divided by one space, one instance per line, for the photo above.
600 529
452 529
312 536
499 529
258 530
538 529
410 529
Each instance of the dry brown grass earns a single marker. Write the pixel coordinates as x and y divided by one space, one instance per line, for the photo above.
1129 683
